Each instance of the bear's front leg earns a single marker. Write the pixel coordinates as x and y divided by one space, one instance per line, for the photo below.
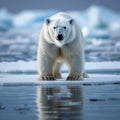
76 65
45 68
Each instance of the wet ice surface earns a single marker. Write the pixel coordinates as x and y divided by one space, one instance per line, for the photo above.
59 103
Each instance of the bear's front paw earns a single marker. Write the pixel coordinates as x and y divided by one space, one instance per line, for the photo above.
47 77
75 77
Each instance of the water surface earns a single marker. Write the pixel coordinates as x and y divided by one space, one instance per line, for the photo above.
60 102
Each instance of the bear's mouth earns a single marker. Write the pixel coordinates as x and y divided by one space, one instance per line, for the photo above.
60 37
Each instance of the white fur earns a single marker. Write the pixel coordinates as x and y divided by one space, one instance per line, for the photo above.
70 49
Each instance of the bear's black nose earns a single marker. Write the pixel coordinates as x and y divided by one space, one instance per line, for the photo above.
60 37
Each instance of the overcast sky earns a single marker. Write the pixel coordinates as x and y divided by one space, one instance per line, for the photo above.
63 5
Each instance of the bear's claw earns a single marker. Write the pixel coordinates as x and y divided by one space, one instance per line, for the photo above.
80 76
74 78
48 78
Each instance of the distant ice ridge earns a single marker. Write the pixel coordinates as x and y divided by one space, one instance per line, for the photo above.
30 19
25 19
93 17
6 20
100 18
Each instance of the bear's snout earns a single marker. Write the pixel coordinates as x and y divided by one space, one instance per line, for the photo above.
60 37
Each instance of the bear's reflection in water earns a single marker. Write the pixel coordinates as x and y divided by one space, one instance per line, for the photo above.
60 103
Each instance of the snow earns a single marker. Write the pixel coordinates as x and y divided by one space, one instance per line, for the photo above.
30 80
31 67
25 73
18 66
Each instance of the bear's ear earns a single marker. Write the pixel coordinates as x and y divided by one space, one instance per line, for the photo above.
47 21
71 21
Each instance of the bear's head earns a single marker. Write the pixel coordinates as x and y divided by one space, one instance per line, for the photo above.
60 28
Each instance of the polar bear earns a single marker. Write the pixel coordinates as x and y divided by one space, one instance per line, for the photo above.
60 40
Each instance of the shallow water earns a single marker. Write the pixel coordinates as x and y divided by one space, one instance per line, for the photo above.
60 103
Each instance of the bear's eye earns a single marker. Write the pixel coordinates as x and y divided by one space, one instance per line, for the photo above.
54 28
64 27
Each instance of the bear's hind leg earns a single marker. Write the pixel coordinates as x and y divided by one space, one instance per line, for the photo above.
56 70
